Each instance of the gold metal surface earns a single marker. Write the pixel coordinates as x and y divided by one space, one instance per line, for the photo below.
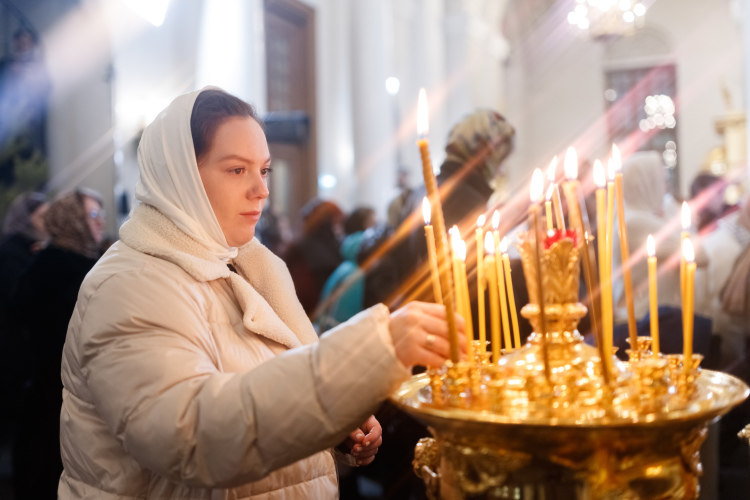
508 430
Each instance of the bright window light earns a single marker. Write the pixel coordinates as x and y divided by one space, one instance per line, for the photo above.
152 11
327 181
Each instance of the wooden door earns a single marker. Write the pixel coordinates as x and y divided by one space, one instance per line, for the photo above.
290 70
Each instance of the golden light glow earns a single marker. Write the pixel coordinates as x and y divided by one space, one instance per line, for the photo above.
455 239
617 158
537 186
610 170
552 170
504 245
571 164
480 221
685 216
688 251
495 219
489 244
651 246
426 211
550 190
599 178
423 127
461 249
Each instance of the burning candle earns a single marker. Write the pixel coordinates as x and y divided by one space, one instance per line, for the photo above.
535 194
479 237
624 250
511 297
570 188
431 254
455 238
466 304
556 203
688 254
609 322
601 224
490 272
686 222
430 183
548 208
653 300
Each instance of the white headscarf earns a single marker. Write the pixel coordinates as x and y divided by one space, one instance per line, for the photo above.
643 181
170 181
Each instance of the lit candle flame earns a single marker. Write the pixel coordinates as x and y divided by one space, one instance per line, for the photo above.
504 245
489 244
495 220
685 217
537 186
617 158
455 238
461 249
426 211
599 178
688 251
552 170
651 246
571 164
611 170
480 221
422 115
453 232
550 190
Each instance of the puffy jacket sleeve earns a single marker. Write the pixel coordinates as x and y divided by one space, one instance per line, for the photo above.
147 356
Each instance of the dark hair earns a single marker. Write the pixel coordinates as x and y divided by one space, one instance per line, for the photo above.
210 110
358 220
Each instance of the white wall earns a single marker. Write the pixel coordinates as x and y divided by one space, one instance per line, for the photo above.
556 83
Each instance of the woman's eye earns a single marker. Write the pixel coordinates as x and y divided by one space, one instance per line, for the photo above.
264 172
238 170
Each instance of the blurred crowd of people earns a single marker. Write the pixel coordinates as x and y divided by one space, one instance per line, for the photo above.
46 250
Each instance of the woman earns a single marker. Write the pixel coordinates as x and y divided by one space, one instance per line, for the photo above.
190 368
42 306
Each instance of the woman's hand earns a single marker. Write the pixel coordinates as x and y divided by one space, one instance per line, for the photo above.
363 443
420 334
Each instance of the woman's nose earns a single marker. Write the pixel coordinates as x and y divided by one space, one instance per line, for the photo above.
258 188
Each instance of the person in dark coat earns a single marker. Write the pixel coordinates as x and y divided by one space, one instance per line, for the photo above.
42 307
315 256
23 236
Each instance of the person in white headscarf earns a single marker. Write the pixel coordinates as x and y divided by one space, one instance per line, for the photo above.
643 193
190 369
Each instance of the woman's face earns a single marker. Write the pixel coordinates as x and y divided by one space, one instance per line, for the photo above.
95 217
235 176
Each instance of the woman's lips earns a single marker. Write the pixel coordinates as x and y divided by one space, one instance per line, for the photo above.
255 215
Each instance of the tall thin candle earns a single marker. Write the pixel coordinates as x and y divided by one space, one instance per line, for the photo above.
536 191
570 188
624 250
511 296
446 285
556 202
490 272
652 295
548 208
601 219
503 300
687 308
610 320
466 306
686 223
431 254
479 237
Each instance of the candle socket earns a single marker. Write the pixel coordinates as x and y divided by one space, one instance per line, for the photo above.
641 351
481 354
458 383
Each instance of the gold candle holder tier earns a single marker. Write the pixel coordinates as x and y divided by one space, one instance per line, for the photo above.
492 455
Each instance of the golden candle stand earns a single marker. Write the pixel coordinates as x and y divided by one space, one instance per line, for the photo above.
521 430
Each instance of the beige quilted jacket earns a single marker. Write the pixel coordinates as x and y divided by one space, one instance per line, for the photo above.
184 380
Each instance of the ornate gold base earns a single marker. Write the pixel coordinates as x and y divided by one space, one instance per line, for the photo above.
486 455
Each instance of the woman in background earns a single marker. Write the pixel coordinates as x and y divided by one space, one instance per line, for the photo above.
42 307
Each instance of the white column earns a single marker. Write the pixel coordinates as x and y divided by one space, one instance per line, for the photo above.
231 53
372 124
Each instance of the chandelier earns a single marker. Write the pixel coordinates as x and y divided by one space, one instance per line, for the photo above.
606 18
